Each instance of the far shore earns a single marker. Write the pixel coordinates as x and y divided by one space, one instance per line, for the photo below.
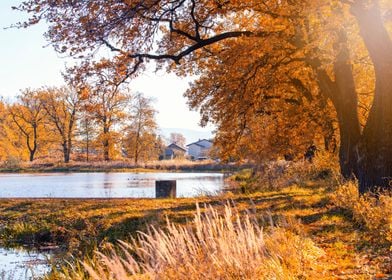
122 166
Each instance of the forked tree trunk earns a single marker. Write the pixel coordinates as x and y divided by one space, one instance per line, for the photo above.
375 162
32 153
32 149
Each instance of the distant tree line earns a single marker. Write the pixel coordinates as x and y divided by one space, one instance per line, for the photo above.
80 123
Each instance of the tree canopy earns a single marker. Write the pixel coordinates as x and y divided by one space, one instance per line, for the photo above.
296 67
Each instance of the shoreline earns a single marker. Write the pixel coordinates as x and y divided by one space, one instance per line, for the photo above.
123 168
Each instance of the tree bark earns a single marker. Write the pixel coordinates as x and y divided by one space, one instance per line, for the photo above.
344 98
33 149
67 155
106 143
31 156
345 101
66 151
137 143
375 162
136 151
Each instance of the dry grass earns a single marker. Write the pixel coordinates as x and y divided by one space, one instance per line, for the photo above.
45 165
373 213
354 233
213 246
277 175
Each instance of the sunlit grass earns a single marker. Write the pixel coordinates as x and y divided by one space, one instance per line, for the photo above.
372 212
353 232
49 165
213 246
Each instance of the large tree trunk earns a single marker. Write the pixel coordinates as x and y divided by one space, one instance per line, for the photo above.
375 163
346 105
344 98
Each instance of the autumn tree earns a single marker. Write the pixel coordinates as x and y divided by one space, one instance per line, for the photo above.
262 104
141 138
108 108
11 146
61 106
28 115
12 141
86 129
178 139
3 117
316 38
106 99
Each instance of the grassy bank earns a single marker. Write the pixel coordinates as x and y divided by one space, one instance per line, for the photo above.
354 234
118 166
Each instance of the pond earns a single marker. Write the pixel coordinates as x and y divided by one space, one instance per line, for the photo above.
105 185
20 264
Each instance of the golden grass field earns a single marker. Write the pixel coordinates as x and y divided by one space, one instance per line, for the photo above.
312 228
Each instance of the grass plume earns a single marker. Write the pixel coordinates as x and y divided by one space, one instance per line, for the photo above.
213 246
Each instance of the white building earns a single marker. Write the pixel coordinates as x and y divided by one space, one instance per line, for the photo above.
199 150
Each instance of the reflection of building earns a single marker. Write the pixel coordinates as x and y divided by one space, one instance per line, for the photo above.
174 151
199 150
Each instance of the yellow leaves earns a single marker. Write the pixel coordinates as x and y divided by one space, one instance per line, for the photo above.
84 93
84 20
122 69
369 212
93 7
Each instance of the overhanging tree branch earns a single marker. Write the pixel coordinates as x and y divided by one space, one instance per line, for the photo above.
200 43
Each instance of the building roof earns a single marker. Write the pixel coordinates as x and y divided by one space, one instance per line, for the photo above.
175 146
198 143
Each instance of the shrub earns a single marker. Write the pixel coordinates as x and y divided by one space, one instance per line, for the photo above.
371 212
276 175
12 162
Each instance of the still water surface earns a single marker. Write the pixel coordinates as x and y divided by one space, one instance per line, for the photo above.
105 185
21 264
18 264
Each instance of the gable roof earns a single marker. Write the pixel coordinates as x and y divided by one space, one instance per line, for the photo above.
198 143
175 146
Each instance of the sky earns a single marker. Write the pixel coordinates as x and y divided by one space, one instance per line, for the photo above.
27 61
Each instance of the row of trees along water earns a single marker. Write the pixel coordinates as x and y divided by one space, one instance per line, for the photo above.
268 73
105 123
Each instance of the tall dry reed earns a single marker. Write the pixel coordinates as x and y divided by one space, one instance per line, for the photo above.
213 246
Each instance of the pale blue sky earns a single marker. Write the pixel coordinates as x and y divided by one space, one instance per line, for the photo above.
27 63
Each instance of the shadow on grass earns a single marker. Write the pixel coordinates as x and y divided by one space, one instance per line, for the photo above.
21 207
336 211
